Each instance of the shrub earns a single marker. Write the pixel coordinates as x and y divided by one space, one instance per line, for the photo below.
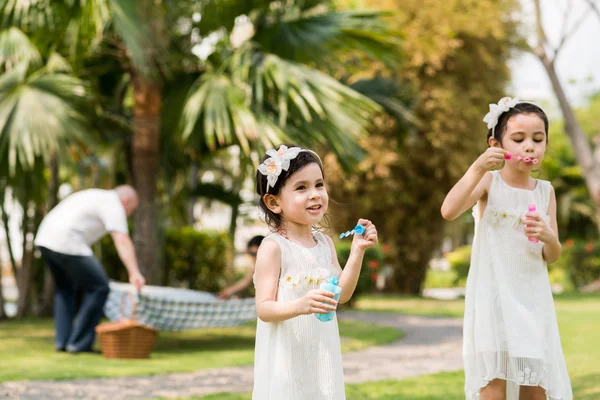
372 264
192 259
460 261
580 259
579 264
196 260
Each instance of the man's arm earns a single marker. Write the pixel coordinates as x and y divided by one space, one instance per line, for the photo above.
238 286
127 255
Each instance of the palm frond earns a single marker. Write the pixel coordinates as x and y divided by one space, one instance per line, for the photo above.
87 21
57 102
218 108
130 21
217 14
262 99
394 97
317 34
27 15
15 48
309 105
57 64
81 25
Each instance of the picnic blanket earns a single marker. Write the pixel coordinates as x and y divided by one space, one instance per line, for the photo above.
174 309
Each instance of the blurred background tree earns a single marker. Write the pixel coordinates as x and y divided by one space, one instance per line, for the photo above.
159 100
455 62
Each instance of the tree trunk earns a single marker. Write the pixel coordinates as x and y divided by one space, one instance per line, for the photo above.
145 151
415 252
235 212
193 182
2 311
5 223
24 275
581 145
45 309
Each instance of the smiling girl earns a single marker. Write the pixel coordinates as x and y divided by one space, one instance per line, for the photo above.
298 357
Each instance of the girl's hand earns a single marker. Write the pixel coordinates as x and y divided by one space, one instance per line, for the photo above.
368 239
490 160
537 228
317 301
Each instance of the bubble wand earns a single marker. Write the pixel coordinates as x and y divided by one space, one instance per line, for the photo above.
524 159
358 229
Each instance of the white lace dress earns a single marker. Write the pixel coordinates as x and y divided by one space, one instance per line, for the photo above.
510 328
299 359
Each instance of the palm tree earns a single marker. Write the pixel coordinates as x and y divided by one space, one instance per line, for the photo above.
254 95
35 81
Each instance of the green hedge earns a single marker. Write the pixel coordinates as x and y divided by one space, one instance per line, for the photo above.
372 264
579 264
580 261
196 260
193 259
460 261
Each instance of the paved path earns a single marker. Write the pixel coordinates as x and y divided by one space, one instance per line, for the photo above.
431 345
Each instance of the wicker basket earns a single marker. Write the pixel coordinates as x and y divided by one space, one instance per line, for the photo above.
126 338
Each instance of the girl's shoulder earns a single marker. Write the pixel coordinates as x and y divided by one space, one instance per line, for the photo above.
546 188
322 236
545 184
270 244
486 183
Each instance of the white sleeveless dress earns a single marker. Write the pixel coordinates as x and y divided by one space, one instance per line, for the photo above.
300 358
510 327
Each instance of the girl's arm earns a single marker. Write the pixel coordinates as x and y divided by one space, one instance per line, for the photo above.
268 309
360 243
473 185
546 234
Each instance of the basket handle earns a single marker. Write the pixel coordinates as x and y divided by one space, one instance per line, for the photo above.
131 303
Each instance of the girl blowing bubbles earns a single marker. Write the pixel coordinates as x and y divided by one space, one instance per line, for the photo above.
511 344
298 357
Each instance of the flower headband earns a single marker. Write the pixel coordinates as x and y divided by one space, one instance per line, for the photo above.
279 160
496 110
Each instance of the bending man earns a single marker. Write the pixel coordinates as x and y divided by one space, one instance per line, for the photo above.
65 238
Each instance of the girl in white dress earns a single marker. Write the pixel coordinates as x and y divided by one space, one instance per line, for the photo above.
298 357
511 344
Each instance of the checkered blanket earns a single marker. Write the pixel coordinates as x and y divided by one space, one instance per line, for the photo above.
172 309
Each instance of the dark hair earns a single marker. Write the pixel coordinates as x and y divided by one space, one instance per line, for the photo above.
304 158
255 241
520 108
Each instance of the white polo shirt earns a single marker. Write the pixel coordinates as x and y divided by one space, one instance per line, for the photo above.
80 220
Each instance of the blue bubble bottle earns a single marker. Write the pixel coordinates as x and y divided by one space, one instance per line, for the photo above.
331 285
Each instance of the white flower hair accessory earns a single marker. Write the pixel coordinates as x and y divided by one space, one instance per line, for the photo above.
496 110
278 161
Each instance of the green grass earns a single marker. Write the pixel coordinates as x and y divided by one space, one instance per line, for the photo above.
579 323
446 386
27 351
412 305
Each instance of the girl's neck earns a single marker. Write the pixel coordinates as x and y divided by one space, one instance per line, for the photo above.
299 233
516 178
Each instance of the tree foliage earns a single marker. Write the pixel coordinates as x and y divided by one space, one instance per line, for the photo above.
456 53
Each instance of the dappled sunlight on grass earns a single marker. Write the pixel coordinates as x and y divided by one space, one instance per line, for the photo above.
28 351
579 323
412 305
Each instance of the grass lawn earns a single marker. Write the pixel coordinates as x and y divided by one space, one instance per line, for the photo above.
446 386
579 322
412 306
27 351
